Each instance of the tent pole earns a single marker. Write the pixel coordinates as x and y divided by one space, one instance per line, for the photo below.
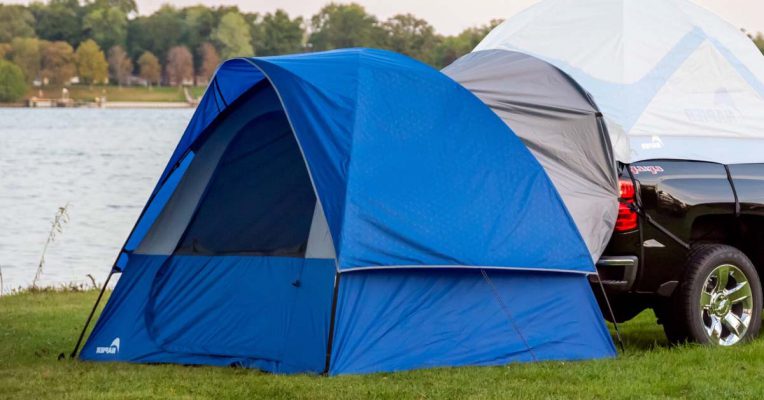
508 313
113 270
90 317
330 342
612 315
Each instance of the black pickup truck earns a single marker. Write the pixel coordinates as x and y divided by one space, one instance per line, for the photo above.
689 243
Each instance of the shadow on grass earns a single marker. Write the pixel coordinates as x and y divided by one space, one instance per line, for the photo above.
641 334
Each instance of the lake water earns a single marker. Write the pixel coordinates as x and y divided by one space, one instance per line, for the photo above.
103 163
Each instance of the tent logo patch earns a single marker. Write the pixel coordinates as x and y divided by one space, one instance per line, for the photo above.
111 349
724 110
655 143
652 169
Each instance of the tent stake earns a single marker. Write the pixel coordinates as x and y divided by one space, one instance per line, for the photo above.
612 315
90 317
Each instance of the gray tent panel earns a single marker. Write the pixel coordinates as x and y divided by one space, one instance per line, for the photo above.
320 244
562 127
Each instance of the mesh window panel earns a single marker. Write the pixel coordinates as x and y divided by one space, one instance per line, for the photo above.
260 200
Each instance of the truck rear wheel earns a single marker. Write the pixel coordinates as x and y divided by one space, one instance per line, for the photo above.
720 300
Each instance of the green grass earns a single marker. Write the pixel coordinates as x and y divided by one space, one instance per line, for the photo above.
35 328
116 93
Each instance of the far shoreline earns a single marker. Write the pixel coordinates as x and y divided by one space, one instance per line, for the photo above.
110 97
112 105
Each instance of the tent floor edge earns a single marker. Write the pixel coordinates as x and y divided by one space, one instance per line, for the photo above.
332 319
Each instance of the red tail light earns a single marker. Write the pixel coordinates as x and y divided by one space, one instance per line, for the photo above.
627 218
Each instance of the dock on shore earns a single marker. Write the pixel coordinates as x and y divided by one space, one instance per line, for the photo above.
146 104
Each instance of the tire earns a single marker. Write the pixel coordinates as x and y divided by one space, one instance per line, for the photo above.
719 301
674 330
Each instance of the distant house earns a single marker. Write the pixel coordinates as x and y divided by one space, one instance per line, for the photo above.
184 82
134 80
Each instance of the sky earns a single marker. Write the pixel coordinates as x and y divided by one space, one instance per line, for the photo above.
451 16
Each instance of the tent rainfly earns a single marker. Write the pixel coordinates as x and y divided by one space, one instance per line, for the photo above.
673 79
351 211
560 124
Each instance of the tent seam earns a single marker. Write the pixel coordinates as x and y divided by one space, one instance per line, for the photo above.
467 267
350 163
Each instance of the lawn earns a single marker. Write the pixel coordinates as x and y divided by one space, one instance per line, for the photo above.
116 93
35 328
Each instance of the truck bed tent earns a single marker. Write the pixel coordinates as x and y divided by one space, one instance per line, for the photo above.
673 79
351 211
560 124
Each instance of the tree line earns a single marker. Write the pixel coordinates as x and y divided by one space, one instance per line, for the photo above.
96 40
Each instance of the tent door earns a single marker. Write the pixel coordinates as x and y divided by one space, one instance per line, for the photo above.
245 307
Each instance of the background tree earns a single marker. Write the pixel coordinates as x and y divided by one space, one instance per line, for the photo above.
58 64
5 50
91 63
15 22
120 65
344 25
156 33
412 36
199 22
59 20
149 67
25 52
180 65
221 11
12 86
278 34
453 47
107 26
233 36
758 40
210 61
126 6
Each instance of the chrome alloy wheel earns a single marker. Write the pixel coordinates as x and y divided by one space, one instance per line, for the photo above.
726 305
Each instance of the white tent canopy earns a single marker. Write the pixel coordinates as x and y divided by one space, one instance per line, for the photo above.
672 79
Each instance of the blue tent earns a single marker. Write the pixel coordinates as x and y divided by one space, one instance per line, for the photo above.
350 211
